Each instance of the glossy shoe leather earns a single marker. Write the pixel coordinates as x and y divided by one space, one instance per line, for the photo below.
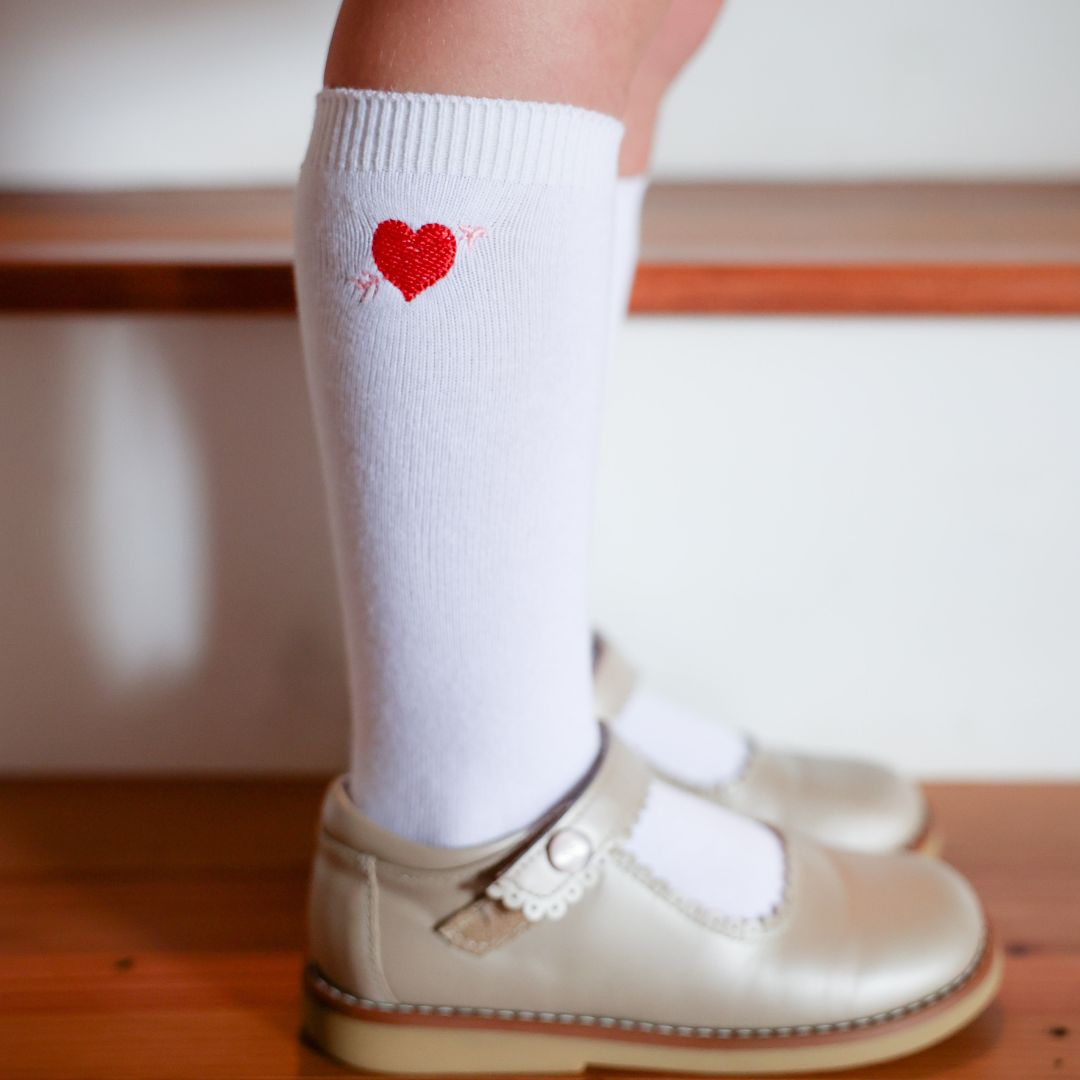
554 951
842 802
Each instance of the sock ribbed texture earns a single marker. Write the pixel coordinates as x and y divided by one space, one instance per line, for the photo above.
455 306
452 260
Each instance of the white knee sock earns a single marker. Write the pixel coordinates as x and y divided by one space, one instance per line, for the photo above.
686 745
452 260
726 862
455 309
680 742
626 239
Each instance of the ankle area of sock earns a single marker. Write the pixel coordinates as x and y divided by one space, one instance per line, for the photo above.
485 800
681 742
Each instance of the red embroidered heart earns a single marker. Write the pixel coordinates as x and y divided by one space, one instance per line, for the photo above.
413 260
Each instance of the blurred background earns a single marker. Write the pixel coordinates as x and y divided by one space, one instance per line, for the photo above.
856 533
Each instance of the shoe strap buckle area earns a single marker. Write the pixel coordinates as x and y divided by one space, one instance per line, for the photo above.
564 860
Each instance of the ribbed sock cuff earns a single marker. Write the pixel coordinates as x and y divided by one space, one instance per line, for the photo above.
526 142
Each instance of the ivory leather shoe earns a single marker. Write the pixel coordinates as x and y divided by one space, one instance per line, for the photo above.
842 802
556 950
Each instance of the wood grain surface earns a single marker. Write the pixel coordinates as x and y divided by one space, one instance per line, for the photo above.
943 248
153 929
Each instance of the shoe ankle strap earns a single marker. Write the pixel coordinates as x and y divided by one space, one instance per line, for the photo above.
564 860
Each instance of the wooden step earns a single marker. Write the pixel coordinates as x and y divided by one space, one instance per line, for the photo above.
153 929
941 248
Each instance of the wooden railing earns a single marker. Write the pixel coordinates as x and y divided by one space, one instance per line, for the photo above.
948 249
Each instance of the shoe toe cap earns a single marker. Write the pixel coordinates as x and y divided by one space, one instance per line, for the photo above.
847 804
920 929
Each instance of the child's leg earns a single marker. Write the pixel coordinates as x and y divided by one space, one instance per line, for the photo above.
851 804
684 27
575 52
453 271
453 257
691 747
451 265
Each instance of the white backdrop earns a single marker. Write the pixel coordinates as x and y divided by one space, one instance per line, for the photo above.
859 534
210 91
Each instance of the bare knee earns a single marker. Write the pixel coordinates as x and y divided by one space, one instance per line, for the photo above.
581 52
680 34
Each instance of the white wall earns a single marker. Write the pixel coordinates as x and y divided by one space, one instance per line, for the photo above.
858 534
166 601
861 534
880 89
133 92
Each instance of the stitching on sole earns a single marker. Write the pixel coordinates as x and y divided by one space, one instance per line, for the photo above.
651 1027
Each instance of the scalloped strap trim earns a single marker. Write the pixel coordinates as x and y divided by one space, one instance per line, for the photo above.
554 905
563 862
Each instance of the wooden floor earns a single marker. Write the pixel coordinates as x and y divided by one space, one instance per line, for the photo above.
154 929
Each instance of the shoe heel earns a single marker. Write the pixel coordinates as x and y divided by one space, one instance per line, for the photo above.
388 1047
399 1046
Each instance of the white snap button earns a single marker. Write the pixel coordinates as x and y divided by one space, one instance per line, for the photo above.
569 850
